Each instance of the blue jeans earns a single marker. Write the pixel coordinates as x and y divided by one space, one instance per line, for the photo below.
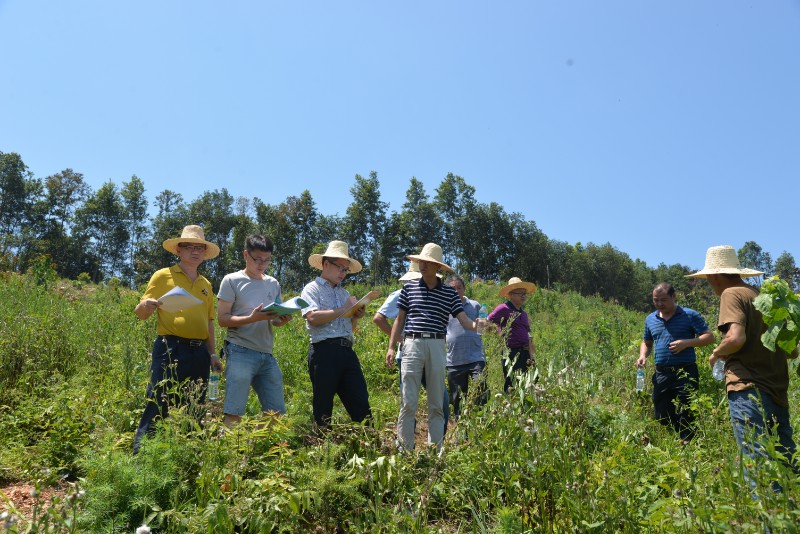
248 367
445 399
753 416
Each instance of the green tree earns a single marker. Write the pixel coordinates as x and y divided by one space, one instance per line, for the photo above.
364 223
487 242
66 191
455 201
213 210
420 222
786 269
171 216
751 255
101 227
19 195
134 205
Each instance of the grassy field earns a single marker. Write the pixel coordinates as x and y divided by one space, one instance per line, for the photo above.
576 451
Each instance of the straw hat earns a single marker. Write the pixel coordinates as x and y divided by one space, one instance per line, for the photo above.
336 249
413 273
514 284
723 260
433 253
192 234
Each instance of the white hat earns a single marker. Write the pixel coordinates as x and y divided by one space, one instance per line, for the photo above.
336 249
412 274
723 260
517 283
432 253
192 234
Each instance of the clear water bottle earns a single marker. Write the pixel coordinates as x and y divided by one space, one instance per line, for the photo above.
483 313
640 379
213 386
718 371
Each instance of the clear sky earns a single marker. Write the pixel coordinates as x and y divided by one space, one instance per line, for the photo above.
661 127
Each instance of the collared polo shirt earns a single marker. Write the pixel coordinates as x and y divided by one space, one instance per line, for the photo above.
685 323
518 334
321 295
428 310
464 346
191 322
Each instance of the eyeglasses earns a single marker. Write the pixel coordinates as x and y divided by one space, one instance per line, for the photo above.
519 293
260 261
343 270
192 248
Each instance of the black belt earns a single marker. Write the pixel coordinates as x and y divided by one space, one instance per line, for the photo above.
424 335
519 348
186 340
673 368
341 341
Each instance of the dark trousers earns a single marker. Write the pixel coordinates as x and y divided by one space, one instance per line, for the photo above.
519 363
458 379
175 370
669 384
335 370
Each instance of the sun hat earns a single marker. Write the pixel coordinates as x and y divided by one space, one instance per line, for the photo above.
336 249
413 273
723 260
516 283
192 234
433 253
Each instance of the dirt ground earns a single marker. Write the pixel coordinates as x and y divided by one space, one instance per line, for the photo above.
21 496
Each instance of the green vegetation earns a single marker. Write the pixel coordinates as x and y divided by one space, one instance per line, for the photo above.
576 450
781 310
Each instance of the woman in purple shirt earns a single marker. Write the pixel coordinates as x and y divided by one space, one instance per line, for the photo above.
518 332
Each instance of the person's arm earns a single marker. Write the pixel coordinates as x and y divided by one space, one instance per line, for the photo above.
706 338
397 332
145 308
382 323
226 318
466 322
733 341
645 348
321 317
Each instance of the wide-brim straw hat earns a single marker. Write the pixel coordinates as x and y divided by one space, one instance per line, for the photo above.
336 249
192 234
433 253
516 283
413 273
723 260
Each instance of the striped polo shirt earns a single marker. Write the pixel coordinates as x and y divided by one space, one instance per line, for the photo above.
428 310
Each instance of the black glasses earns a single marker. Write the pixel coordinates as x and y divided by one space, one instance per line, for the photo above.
522 293
192 248
260 261
344 270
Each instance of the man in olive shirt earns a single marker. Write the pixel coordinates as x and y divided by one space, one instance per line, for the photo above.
756 379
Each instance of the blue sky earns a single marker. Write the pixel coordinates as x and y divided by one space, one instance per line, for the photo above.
661 127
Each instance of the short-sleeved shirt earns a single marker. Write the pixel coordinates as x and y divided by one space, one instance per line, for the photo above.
685 323
321 295
191 322
519 333
389 308
754 365
428 310
244 294
464 346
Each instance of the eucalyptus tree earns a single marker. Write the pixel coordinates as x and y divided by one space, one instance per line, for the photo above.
455 202
19 196
364 224
487 242
786 269
213 210
134 207
419 220
101 228
751 255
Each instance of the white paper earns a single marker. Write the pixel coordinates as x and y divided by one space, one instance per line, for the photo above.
177 299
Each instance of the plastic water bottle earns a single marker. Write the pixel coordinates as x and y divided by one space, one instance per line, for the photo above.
718 371
483 313
640 379
213 386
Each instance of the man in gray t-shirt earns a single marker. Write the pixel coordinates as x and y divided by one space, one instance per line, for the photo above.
250 339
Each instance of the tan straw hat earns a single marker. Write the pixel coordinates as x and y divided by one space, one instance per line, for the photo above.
433 253
412 274
515 283
192 234
723 260
336 249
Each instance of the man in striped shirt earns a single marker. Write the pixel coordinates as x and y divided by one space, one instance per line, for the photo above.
425 308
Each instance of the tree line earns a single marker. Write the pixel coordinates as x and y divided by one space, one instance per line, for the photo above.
108 233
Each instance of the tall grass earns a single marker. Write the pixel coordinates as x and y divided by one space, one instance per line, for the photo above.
576 450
